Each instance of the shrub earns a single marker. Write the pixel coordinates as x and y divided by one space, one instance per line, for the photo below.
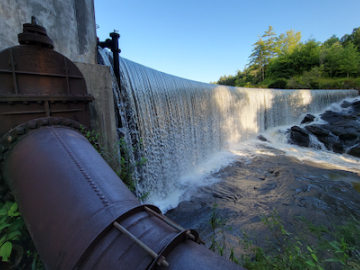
279 84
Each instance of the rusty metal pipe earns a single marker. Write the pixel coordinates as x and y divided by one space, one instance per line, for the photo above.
70 198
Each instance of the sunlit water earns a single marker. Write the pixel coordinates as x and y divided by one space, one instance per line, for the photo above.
191 129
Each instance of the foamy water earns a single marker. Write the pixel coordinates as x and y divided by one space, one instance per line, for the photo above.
246 151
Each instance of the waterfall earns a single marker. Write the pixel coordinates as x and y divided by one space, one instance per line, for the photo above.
182 123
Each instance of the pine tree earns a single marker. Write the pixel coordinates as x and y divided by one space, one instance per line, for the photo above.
259 55
263 50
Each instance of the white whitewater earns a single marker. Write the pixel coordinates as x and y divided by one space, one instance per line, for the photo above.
187 127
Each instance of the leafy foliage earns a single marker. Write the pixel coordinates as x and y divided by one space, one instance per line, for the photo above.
279 84
286 57
118 158
10 223
15 239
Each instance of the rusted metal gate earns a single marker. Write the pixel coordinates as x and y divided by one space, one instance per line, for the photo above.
37 81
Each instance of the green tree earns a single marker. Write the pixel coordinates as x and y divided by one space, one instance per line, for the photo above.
305 56
270 44
354 38
349 62
264 50
333 57
259 55
330 41
286 43
227 80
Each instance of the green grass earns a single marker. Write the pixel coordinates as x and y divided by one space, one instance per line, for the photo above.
314 247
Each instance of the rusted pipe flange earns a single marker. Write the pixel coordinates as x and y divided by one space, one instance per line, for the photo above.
35 34
31 38
14 135
34 28
177 240
186 234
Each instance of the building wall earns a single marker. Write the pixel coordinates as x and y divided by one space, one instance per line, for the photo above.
69 23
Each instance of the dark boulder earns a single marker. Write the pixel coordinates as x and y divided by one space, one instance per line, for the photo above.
355 151
331 116
262 138
340 133
308 119
334 129
299 136
350 134
338 148
317 130
323 135
345 104
356 105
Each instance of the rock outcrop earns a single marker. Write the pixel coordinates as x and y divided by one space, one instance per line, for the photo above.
341 133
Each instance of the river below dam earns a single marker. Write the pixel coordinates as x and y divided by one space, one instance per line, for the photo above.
316 185
295 182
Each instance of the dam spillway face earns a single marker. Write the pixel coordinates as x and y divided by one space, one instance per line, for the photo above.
183 123
79 214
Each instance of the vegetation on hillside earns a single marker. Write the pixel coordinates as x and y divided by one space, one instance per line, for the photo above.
276 59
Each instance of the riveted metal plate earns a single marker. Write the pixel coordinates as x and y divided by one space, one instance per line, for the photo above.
39 82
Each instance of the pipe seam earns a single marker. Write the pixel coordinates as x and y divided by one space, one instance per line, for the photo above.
82 170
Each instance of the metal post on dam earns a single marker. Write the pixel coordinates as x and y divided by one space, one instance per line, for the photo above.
78 212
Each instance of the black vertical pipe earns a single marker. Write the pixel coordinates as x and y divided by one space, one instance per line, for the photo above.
116 51
113 45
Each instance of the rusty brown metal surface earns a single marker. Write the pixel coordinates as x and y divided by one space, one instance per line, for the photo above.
67 193
69 198
36 82
35 34
11 137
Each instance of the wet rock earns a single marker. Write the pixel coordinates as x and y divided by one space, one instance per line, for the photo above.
341 132
350 135
345 104
356 105
322 196
323 135
317 131
338 148
261 138
334 129
329 141
331 116
299 137
355 151
308 119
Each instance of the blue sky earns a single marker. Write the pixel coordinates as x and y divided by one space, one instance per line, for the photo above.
203 40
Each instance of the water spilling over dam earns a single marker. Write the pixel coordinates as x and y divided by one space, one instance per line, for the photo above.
183 123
